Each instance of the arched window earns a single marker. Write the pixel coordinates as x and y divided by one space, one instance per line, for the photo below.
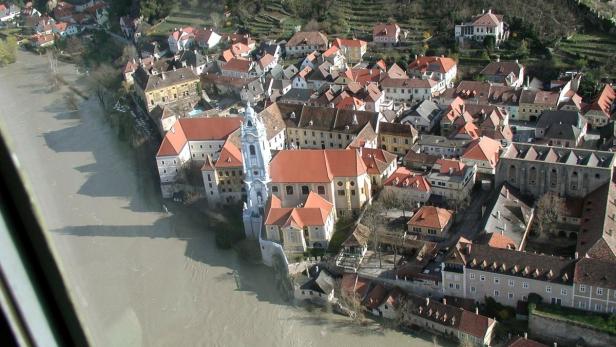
532 176
251 148
574 180
553 178
512 173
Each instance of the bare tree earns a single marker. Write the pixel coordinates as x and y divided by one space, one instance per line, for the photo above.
390 198
549 207
373 219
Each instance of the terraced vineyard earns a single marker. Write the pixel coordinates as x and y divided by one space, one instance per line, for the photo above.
596 50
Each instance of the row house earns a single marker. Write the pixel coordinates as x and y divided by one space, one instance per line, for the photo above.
409 90
431 222
338 175
452 180
440 69
397 138
594 285
477 271
309 225
239 68
323 127
442 318
533 103
191 139
487 24
351 96
303 42
167 87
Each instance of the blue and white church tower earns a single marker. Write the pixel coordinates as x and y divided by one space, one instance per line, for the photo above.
256 156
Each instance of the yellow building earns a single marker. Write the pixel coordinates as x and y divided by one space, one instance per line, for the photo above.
397 138
167 87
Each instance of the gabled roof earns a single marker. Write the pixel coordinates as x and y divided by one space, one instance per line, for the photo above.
488 19
503 68
349 43
395 71
595 272
196 129
240 65
358 238
377 160
431 217
604 102
483 149
230 156
315 212
382 29
289 166
310 38
432 64
405 178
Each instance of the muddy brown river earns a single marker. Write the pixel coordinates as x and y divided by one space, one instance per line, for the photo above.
140 277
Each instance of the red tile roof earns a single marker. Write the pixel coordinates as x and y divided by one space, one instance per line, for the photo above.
604 101
196 129
230 156
349 43
498 240
314 212
377 160
431 217
431 63
403 177
483 149
240 65
447 164
382 29
289 166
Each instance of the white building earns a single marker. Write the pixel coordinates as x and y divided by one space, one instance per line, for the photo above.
485 24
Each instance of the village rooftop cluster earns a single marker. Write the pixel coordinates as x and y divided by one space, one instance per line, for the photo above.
305 133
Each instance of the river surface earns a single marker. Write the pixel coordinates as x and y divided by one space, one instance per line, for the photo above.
140 277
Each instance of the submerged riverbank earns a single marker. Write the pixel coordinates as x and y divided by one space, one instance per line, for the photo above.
138 276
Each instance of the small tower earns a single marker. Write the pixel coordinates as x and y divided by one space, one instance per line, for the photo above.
256 156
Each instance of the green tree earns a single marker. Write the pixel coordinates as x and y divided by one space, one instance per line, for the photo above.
8 50
489 43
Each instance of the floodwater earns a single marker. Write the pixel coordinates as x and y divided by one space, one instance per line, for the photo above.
140 277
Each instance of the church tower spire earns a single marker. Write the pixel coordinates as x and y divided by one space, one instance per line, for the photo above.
256 157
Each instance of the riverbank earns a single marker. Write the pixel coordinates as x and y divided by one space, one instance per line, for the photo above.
138 276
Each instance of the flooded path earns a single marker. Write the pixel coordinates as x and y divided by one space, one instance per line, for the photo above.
140 277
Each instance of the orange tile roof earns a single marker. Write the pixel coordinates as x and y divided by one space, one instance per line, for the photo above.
403 177
382 29
431 217
376 160
315 212
230 156
289 166
196 129
431 63
483 149
330 51
604 101
498 240
350 102
470 129
236 64
446 164
349 43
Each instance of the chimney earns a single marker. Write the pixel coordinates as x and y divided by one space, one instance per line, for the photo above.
163 75
489 10
427 301
525 335
444 301
498 215
577 255
415 56
477 310
498 58
517 61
